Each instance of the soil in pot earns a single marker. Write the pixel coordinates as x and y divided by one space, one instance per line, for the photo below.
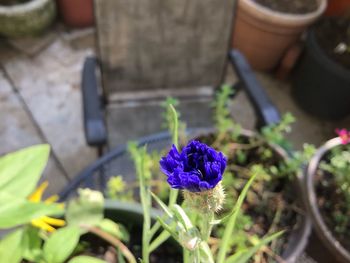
333 35
270 205
290 6
332 202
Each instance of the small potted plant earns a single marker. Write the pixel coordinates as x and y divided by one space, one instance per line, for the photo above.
19 18
265 29
322 76
328 194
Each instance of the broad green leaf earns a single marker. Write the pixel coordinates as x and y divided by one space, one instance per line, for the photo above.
16 211
114 229
244 256
60 245
33 250
87 209
86 259
12 247
20 171
232 221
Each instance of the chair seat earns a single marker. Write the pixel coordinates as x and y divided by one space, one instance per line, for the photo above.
132 120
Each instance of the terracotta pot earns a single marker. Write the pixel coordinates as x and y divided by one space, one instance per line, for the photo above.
337 7
76 13
264 35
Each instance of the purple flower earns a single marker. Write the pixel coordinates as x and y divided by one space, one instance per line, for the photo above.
197 168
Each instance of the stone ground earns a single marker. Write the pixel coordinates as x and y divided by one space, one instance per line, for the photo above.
41 102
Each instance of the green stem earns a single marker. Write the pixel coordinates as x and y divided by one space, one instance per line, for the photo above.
174 192
146 204
194 256
207 225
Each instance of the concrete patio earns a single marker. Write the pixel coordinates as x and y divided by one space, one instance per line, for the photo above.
41 102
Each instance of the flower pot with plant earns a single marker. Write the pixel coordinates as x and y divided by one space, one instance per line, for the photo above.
322 76
327 192
19 18
270 205
265 29
89 229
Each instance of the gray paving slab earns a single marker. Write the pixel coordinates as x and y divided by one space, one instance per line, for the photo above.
18 131
50 86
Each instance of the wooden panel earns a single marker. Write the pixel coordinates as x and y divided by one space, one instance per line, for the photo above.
162 44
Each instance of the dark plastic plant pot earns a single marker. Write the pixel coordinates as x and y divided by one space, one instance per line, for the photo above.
127 212
323 232
298 238
320 85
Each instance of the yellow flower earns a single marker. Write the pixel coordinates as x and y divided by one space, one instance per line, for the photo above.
45 222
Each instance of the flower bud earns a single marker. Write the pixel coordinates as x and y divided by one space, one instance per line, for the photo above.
206 201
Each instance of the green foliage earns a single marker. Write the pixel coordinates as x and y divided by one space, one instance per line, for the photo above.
86 259
117 189
223 121
274 134
20 171
339 166
87 209
15 211
12 246
111 227
60 245
172 122
292 164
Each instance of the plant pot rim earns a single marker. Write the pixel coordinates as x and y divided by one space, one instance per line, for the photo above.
22 7
321 56
286 19
321 228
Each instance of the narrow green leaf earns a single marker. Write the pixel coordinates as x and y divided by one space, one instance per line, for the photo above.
182 217
162 205
86 259
167 228
60 245
12 247
20 171
232 221
16 211
246 255
160 239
